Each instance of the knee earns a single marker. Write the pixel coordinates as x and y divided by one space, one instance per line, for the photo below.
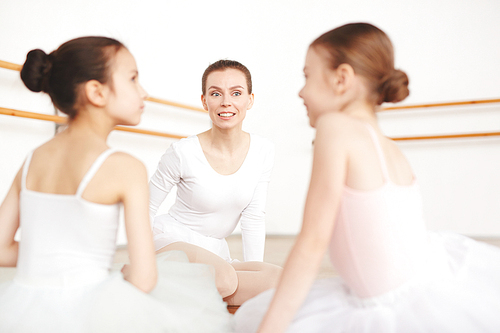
273 273
226 280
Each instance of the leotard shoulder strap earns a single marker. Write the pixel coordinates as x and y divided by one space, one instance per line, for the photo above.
92 171
380 153
25 170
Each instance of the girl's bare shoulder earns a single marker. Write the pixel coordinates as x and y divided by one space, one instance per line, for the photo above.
123 163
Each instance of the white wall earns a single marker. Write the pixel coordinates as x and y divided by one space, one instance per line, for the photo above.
449 49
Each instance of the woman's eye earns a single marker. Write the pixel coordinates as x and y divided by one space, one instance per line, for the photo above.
216 94
237 93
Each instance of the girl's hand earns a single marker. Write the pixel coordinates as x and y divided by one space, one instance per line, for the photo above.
125 271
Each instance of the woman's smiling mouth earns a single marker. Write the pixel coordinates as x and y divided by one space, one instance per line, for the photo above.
226 114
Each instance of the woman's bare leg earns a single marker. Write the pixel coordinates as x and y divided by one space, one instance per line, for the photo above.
253 278
226 279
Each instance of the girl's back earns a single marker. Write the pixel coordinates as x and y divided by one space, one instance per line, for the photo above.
67 240
379 237
59 166
366 161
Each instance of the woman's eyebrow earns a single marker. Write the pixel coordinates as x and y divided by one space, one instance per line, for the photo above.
230 88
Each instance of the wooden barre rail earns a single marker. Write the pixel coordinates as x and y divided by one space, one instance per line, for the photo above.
16 67
9 65
63 120
178 105
433 105
447 136
32 115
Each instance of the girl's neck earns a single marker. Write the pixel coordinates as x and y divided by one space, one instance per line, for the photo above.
357 103
361 110
91 124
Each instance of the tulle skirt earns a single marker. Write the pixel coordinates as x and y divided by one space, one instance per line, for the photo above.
459 291
184 300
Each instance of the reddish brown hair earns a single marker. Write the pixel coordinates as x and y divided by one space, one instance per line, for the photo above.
368 50
222 65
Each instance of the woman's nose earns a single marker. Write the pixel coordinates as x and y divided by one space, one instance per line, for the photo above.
226 101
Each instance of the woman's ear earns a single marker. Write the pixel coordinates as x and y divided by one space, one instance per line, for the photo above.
204 102
250 104
96 93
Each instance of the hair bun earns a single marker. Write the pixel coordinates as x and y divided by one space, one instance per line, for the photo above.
394 88
35 69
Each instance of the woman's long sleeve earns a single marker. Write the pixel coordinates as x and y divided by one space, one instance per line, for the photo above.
167 175
252 222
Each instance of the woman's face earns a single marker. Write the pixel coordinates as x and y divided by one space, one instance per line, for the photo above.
126 102
226 98
318 93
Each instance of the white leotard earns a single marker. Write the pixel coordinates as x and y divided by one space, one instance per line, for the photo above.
209 205
63 281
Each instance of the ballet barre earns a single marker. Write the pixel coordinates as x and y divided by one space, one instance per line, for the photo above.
433 105
447 136
63 120
16 67
9 65
444 136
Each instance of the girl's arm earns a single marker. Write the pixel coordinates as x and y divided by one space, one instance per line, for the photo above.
326 185
9 223
142 271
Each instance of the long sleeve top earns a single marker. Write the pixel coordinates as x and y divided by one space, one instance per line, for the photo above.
210 203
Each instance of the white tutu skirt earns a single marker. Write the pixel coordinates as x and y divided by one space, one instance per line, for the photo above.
458 292
184 300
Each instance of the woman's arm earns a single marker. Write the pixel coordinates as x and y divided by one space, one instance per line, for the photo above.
326 185
253 227
252 222
156 198
142 271
9 223
166 176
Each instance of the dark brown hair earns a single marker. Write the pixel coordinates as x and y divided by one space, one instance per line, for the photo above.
61 72
370 53
222 65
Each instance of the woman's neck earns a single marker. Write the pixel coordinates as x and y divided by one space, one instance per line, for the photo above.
228 141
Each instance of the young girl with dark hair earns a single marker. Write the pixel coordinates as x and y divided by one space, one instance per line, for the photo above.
66 198
363 207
